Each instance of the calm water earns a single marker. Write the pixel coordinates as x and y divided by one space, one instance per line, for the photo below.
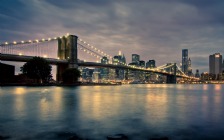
181 112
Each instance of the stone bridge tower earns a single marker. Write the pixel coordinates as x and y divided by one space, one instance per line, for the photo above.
67 49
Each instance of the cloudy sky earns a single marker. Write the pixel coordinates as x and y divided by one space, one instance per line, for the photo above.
154 29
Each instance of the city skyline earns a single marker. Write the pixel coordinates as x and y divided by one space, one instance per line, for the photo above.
153 29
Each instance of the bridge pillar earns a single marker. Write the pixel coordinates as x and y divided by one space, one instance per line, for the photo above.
172 79
73 55
67 49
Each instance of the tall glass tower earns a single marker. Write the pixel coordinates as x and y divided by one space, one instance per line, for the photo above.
215 63
185 61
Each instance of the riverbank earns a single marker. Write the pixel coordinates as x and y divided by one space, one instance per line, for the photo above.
61 84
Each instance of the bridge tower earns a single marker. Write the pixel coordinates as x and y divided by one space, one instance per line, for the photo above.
67 49
172 79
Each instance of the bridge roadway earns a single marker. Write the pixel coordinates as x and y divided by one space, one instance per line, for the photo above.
53 61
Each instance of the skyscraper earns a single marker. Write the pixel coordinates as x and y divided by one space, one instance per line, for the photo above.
135 58
104 72
189 69
119 60
215 63
151 64
185 60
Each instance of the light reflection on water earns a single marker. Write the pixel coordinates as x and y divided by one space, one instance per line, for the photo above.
139 111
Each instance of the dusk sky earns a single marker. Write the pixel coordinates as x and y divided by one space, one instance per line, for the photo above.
154 29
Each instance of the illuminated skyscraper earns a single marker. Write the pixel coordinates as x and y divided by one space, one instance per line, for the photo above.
215 63
185 61
189 71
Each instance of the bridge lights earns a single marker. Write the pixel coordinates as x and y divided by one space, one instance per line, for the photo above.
6 43
20 54
49 39
22 41
43 39
30 41
45 56
14 42
37 40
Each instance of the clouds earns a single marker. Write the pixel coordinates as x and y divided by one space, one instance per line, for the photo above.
155 29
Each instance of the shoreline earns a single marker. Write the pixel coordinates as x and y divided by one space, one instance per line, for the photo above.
60 85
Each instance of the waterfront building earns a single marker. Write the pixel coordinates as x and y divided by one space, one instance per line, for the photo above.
215 64
185 61
197 75
189 71
87 74
119 60
151 64
104 72
96 76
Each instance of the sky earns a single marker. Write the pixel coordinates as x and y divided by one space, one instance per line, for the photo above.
154 29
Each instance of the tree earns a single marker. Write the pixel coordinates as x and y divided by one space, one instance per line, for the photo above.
38 69
71 75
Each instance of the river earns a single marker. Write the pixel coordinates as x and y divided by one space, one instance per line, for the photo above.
141 111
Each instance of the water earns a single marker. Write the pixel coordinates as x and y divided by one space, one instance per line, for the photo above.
180 112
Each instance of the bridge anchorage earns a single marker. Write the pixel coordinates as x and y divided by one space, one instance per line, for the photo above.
67 57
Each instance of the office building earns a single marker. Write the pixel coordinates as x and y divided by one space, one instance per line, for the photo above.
119 60
215 63
96 76
142 63
189 71
135 58
104 72
197 75
185 61
151 64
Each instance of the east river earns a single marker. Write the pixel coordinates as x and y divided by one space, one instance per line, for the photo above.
141 112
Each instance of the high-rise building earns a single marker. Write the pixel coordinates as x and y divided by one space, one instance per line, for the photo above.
119 60
185 61
151 64
135 58
87 74
215 63
142 63
96 76
104 72
189 70
223 66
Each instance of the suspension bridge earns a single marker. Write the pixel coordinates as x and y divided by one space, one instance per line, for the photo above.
63 52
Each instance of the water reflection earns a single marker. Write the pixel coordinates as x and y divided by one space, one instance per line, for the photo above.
139 111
